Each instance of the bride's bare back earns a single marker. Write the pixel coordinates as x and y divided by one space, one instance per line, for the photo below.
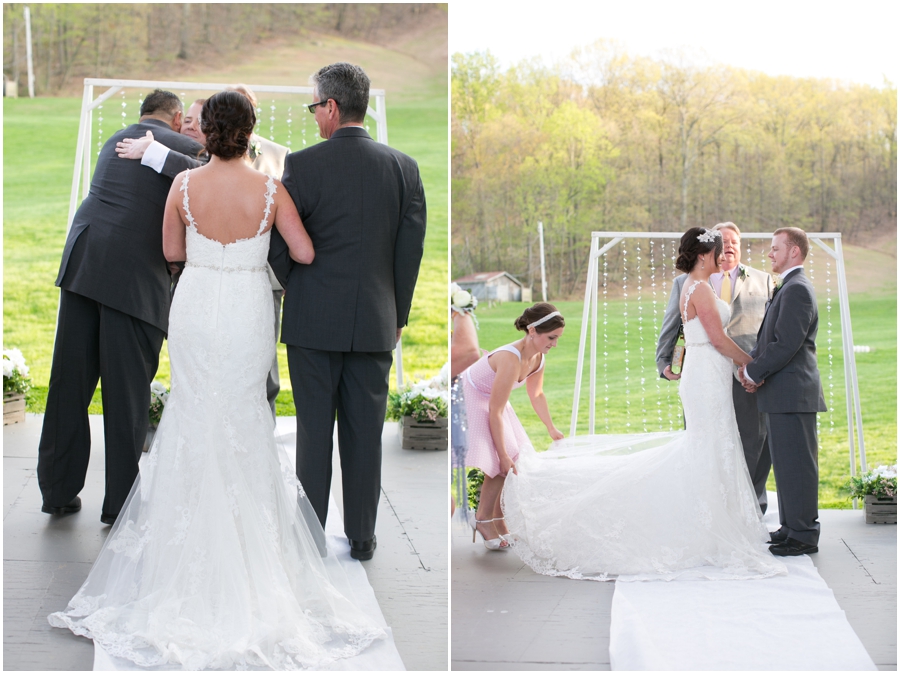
227 202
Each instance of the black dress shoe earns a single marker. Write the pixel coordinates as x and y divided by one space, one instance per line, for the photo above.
362 550
72 506
792 548
776 537
108 519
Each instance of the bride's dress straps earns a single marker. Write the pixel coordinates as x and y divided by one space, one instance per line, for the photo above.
186 202
687 299
270 191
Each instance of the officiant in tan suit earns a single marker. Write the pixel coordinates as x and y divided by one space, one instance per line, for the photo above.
747 291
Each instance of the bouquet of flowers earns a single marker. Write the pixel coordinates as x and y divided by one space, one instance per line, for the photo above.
424 400
880 482
15 372
159 395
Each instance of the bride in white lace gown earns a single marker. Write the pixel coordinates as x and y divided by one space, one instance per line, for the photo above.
214 561
660 505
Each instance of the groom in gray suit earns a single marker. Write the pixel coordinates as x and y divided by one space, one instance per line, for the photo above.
748 291
785 370
363 205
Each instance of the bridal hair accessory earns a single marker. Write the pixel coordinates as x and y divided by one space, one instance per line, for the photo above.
709 235
543 320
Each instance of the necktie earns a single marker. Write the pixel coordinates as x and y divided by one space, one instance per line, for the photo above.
725 295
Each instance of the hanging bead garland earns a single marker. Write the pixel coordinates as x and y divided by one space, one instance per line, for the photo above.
625 338
642 359
830 340
606 340
655 303
124 110
290 120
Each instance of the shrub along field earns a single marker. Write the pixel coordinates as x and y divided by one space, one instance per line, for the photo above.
39 148
635 399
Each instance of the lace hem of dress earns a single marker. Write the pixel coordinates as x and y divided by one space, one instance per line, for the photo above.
287 654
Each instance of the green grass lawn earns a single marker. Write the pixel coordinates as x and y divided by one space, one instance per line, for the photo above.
38 159
632 398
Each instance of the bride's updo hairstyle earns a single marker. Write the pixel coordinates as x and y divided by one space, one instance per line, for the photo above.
227 119
692 247
535 313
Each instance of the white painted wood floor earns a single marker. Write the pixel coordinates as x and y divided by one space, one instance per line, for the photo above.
45 559
506 617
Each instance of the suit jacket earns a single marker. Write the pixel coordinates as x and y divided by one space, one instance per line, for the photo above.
363 205
785 353
271 158
752 289
113 253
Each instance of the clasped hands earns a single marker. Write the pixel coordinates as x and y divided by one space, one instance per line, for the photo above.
748 385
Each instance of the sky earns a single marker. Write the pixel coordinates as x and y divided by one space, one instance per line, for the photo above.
848 41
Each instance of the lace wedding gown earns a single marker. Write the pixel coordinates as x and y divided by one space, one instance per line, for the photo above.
211 564
657 505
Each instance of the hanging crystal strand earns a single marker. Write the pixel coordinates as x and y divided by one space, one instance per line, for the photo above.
303 131
99 128
809 267
606 339
675 410
272 121
124 110
830 353
655 304
640 293
290 120
625 339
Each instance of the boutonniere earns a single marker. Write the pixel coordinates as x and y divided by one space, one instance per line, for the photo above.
742 272
255 148
778 283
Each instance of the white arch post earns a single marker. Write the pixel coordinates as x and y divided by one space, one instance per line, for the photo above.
82 172
589 323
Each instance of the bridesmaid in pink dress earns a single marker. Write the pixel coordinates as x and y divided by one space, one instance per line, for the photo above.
494 433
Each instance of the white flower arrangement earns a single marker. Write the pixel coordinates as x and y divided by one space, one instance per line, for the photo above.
424 400
159 396
15 372
880 482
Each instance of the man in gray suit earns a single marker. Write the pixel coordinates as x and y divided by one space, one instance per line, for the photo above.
747 291
113 315
363 205
785 369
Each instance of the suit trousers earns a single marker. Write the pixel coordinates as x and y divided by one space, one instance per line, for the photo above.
273 381
354 387
752 427
795 459
95 342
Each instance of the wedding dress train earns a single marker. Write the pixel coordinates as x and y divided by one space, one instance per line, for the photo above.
664 505
214 561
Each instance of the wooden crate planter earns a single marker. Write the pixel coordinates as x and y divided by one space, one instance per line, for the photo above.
13 408
881 510
423 434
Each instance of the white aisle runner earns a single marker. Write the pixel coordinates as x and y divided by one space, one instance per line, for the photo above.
382 655
788 622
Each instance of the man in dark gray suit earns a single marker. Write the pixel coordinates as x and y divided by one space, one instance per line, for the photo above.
785 369
748 292
113 315
364 208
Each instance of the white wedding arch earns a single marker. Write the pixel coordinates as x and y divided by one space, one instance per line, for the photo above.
289 125
634 271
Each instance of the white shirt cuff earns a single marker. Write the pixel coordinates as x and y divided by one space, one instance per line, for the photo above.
747 377
155 156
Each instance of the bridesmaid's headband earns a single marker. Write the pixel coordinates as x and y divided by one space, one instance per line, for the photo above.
543 320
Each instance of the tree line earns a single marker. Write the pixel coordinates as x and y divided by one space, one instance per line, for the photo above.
608 141
73 41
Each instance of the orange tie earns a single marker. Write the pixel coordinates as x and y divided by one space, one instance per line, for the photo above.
726 287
